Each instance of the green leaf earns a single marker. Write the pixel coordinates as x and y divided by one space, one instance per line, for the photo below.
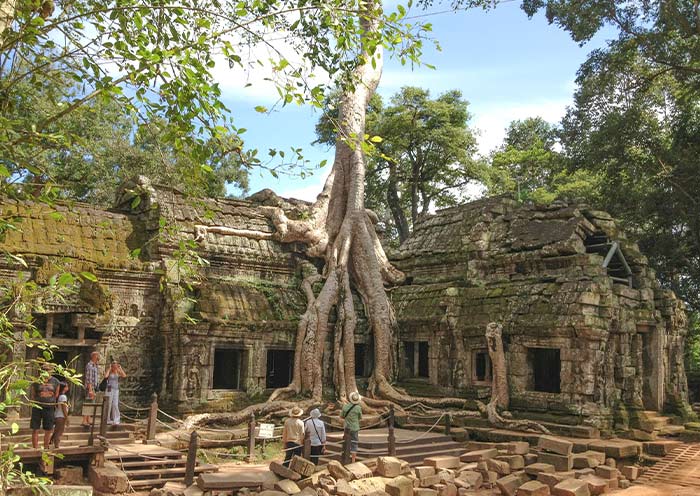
376 139
260 108
136 202
14 428
89 276
65 279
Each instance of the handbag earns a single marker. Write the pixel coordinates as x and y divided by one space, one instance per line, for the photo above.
103 385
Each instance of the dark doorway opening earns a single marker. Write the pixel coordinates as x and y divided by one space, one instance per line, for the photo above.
360 358
280 368
482 366
409 350
546 369
227 369
423 368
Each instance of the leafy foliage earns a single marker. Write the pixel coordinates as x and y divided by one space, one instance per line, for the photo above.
422 154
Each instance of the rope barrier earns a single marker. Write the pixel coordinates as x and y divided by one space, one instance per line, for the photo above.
134 408
424 433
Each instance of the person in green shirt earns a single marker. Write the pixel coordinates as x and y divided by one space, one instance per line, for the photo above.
352 413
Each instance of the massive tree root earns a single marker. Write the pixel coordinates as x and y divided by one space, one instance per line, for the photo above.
500 395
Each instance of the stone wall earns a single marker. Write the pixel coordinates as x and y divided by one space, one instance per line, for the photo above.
530 269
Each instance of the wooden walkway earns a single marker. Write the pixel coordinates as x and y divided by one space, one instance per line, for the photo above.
681 467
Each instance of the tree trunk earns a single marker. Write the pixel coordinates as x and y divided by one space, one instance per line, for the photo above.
392 198
7 15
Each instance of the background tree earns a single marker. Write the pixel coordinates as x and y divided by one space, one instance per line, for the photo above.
423 157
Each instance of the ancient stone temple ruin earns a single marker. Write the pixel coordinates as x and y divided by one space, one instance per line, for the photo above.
200 303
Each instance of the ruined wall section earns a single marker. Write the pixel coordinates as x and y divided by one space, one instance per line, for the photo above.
244 296
119 313
528 268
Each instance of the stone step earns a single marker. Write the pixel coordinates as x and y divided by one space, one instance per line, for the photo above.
671 430
156 474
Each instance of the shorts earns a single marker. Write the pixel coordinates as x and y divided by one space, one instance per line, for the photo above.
43 416
89 404
354 441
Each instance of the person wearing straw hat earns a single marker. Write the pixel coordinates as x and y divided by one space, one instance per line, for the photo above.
352 414
44 395
316 430
293 435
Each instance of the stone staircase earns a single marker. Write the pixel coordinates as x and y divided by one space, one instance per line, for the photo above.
411 446
662 425
148 467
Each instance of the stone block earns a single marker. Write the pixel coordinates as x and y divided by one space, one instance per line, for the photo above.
551 478
555 445
479 455
373 484
661 448
605 472
581 460
70 490
448 489
616 448
443 461
530 458
533 488
561 463
424 471
474 479
430 480
308 491
630 472
287 486
596 455
500 467
302 466
388 466
596 485
424 491
509 484
610 462
446 476
583 471
358 470
571 487
516 462
536 468
343 488
108 479
68 476
400 486
625 484
518 448
286 473
490 477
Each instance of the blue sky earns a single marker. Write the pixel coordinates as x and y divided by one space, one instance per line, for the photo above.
506 65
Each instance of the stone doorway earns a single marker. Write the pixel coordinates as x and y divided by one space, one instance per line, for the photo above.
280 368
652 370
545 367
416 361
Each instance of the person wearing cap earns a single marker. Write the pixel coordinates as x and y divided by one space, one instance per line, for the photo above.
316 430
61 414
44 395
352 414
293 435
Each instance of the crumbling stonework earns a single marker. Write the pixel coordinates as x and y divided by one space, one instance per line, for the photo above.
613 342
200 303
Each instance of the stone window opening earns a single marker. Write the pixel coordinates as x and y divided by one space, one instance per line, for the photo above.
545 370
363 360
416 359
614 260
227 368
482 370
280 368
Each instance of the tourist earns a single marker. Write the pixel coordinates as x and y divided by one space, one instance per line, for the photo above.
316 430
352 413
44 395
113 374
293 435
92 379
61 414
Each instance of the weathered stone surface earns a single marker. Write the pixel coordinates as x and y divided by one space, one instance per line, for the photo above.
68 476
552 478
516 462
518 447
605 472
474 479
70 490
424 491
536 468
509 484
443 461
555 445
530 458
616 448
630 472
581 460
369 485
500 467
424 471
284 472
303 466
388 466
108 479
661 448
571 487
400 486
533 488
343 488
287 486
561 463
478 455
430 480
358 470
596 485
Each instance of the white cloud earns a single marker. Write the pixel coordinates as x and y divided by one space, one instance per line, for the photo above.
491 120
308 192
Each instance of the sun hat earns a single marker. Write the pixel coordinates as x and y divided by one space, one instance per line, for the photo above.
315 413
296 412
355 397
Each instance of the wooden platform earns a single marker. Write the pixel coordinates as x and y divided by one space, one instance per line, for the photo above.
67 454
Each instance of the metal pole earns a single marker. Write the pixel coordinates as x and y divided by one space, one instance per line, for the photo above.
191 459
392 436
251 438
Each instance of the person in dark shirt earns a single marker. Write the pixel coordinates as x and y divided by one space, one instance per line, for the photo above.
44 396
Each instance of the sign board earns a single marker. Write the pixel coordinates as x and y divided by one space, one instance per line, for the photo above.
267 431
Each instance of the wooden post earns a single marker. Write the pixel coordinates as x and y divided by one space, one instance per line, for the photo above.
251 438
91 439
307 446
345 457
448 424
152 419
392 436
191 459
106 403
